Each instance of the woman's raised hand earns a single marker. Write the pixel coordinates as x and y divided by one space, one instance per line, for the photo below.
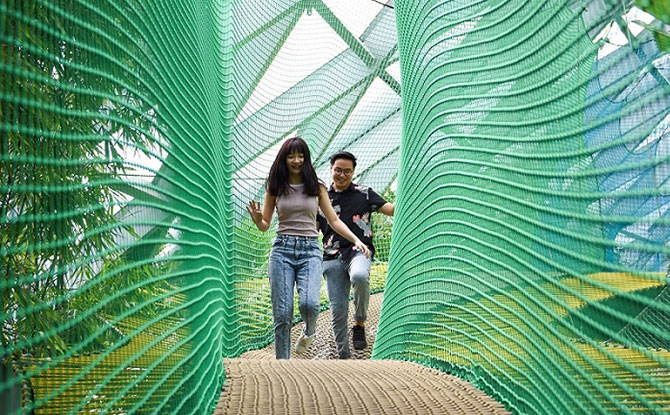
255 212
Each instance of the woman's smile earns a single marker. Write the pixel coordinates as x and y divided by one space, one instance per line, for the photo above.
294 162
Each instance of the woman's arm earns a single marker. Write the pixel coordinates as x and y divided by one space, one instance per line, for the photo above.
264 218
337 225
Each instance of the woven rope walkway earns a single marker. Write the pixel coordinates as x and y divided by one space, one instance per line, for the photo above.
313 383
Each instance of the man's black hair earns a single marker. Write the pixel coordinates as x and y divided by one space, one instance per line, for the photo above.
342 155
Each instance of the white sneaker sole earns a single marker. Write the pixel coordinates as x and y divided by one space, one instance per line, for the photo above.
303 343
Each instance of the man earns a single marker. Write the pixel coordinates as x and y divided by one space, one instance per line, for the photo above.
343 266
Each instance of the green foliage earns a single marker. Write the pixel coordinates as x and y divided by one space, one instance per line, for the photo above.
661 10
66 138
381 228
252 260
102 290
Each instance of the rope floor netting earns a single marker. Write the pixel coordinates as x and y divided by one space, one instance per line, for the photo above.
315 383
351 387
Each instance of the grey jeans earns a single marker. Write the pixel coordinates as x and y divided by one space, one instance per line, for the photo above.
340 277
295 261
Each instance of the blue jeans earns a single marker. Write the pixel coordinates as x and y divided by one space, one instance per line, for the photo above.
294 260
340 277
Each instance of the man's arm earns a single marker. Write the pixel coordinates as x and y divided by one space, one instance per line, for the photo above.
387 209
374 200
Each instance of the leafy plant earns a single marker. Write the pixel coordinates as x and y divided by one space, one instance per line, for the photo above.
60 145
661 10
381 230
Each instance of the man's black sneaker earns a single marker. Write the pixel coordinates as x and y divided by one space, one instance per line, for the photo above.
359 338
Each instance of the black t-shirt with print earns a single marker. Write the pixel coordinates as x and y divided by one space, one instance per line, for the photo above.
353 206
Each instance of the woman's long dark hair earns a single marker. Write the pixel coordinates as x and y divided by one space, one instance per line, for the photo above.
277 183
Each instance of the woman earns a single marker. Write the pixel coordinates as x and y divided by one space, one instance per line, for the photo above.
296 192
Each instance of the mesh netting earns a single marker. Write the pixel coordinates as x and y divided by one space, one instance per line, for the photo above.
530 242
115 234
133 133
530 239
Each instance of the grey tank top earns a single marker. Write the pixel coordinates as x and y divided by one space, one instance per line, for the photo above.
296 212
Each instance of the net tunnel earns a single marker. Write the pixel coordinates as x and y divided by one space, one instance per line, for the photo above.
526 146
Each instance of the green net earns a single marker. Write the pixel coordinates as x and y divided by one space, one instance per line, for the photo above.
115 233
530 247
530 241
133 134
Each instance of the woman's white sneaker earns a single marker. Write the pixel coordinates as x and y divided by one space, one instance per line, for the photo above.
303 343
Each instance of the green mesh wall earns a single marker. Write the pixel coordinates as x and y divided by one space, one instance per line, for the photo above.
133 134
530 240
115 231
530 244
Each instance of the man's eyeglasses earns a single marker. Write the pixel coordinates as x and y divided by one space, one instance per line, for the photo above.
346 172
